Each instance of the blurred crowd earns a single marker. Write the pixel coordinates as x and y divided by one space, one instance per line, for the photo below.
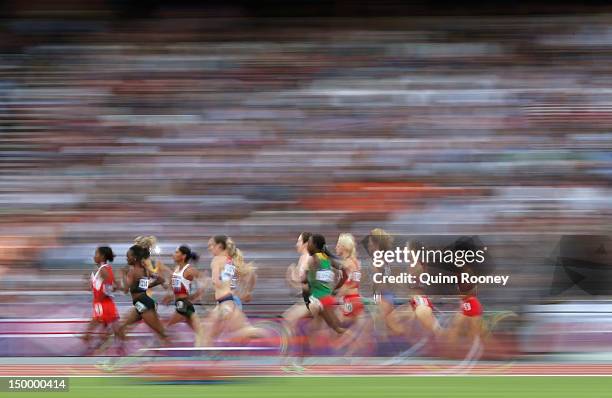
184 127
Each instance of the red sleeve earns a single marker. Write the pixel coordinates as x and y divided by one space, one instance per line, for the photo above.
471 307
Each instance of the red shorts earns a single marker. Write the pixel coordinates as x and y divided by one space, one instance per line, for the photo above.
471 306
105 311
352 306
416 301
327 301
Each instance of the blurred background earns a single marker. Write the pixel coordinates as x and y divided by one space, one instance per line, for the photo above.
260 120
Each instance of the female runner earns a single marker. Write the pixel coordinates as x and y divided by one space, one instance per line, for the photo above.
184 278
468 321
154 265
295 276
138 279
352 304
228 267
379 239
319 281
419 307
102 284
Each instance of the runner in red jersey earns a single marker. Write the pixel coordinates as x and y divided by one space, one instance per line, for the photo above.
420 307
468 321
352 304
102 283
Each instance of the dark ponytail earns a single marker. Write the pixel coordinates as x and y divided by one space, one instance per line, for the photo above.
319 243
140 252
305 236
189 254
107 253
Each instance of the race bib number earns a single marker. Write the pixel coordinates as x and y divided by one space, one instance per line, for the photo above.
140 307
228 273
356 276
98 309
176 283
467 307
143 283
348 306
180 305
325 276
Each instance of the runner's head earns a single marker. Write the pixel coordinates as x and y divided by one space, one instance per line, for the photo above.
418 267
104 254
220 244
316 244
136 255
467 289
217 244
379 239
302 242
183 255
345 247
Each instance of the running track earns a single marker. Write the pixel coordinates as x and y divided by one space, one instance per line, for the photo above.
205 369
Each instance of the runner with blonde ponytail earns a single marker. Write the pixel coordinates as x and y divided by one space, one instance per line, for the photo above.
230 274
154 265
245 272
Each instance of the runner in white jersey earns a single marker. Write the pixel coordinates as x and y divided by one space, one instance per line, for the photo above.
295 276
184 279
228 267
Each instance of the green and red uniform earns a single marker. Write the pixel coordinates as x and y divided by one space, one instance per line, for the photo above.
321 281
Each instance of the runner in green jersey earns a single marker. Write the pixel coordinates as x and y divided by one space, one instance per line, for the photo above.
318 283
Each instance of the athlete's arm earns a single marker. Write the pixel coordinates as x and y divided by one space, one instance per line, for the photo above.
343 279
157 280
165 272
215 266
167 299
126 276
302 265
203 283
192 274
312 264
106 289
292 278
248 286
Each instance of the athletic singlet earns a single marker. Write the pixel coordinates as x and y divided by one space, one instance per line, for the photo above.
153 270
100 289
354 277
229 274
320 280
140 285
180 284
302 269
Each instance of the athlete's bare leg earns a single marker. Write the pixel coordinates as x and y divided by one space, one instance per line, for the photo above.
91 327
174 319
196 325
390 317
151 318
132 317
215 325
424 314
296 312
331 320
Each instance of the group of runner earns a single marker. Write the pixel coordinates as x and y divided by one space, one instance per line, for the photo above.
329 282
337 300
231 278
